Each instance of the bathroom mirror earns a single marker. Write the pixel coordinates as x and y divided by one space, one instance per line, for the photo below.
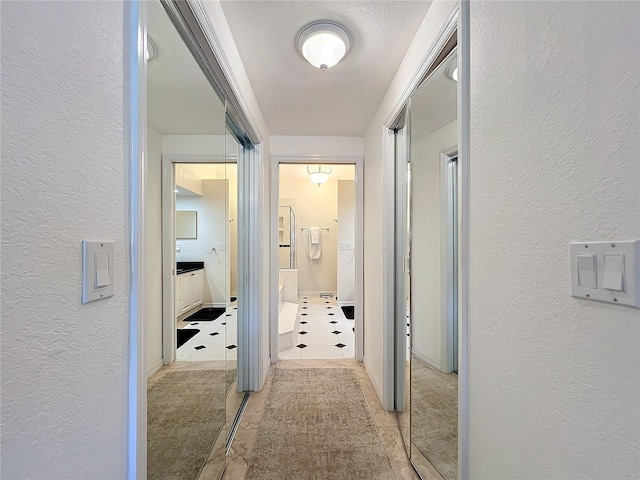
186 225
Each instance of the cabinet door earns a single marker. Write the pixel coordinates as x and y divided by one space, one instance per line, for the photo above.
178 295
186 296
197 288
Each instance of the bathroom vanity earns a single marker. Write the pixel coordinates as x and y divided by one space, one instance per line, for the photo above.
189 286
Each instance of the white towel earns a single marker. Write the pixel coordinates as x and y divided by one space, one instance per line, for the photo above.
315 243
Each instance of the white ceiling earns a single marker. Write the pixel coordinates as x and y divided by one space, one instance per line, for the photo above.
435 104
298 99
180 99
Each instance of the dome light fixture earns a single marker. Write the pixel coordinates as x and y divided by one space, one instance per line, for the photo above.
453 71
318 174
323 44
150 51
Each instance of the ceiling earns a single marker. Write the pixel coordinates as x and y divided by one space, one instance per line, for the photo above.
298 99
435 104
180 99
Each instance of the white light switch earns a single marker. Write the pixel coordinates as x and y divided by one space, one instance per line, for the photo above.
97 270
587 270
606 272
614 272
102 270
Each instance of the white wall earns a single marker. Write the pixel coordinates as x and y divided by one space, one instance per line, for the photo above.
296 146
374 194
152 302
64 179
554 382
346 269
212 233
427 291
315 207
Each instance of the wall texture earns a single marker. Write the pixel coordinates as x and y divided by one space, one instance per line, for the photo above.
554 386
64 179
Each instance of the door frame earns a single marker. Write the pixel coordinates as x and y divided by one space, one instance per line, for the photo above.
447 250
169 161
358 161
458 20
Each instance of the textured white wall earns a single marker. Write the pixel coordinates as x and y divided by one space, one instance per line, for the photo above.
64 179
152 306
374 172
427 291
554 382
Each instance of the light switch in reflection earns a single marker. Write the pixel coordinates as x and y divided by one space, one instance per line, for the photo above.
613 272
587 270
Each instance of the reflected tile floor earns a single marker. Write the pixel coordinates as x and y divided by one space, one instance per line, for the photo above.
216 340
322 331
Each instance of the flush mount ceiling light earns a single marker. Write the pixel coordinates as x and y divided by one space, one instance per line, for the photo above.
150 52
453 71
323 44
318 174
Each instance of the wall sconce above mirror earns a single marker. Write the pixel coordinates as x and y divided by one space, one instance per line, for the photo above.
186 225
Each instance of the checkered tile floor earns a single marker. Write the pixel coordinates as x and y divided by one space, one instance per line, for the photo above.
216 340
323 332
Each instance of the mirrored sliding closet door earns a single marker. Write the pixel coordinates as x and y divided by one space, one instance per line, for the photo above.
427 212
192 401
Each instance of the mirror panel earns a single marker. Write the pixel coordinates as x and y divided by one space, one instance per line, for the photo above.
186 399
186 225
433 285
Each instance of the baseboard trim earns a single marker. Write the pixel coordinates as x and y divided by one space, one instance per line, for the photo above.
426 358
376 386
154 368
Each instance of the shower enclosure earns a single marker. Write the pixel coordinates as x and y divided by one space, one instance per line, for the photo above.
286 237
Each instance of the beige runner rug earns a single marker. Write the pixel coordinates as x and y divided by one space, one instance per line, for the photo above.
316 426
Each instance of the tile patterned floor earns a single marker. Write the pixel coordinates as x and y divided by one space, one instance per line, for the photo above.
216 340
323 331
386 423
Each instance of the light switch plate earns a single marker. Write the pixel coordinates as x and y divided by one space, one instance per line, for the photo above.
631 252
89 251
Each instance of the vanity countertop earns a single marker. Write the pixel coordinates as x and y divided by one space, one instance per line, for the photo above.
186 267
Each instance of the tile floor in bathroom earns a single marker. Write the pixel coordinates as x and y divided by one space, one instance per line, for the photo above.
323 331
216 340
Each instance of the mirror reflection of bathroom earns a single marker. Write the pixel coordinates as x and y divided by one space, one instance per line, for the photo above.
190 262
317 257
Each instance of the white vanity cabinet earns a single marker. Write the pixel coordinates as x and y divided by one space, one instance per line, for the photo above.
189 291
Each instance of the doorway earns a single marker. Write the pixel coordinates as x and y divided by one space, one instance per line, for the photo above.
317 258
316 261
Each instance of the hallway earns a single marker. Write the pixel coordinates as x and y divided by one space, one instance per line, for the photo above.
254 420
